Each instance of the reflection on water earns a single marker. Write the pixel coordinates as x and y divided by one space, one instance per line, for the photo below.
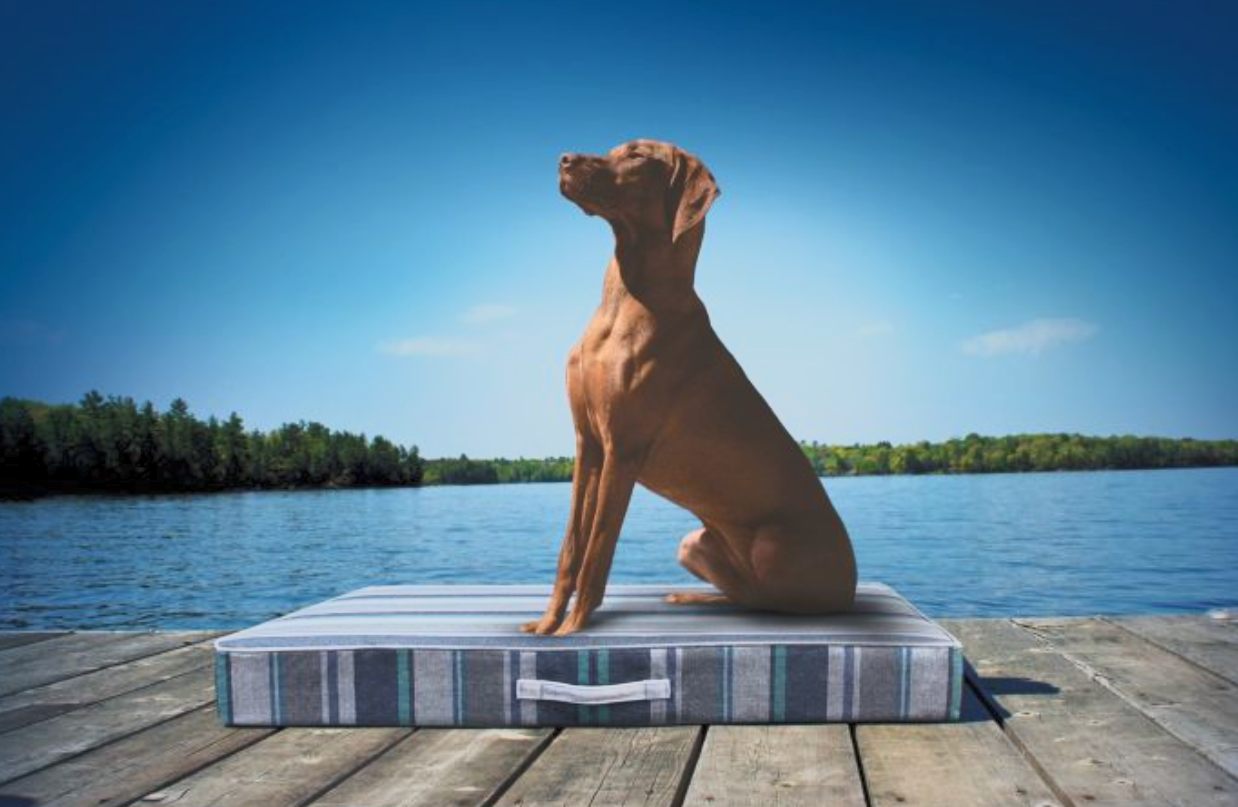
1060 543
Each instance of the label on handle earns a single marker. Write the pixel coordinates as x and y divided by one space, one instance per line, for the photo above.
539 690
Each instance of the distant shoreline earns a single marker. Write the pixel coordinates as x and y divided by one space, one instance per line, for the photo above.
9 495
112 446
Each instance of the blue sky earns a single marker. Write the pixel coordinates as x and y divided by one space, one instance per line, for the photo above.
936 218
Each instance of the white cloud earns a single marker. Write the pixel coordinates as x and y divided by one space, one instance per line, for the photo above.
434 346
871 330
1030 337
25 332
487 312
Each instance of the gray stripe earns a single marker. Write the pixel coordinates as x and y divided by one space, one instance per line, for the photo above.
333 686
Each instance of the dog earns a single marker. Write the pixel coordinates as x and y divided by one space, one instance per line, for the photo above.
656 398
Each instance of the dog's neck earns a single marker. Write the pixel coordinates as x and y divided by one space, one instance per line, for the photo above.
655 271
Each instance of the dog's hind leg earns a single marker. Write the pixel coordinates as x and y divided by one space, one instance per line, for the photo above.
707 555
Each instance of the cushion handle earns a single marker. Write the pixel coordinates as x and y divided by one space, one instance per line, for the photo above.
537 689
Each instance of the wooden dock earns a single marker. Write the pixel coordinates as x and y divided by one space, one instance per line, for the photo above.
1073 712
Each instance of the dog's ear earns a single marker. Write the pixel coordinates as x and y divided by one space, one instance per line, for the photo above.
692 190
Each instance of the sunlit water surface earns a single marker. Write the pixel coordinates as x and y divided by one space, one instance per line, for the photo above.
991 545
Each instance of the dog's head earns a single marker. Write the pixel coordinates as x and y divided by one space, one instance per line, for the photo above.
645 184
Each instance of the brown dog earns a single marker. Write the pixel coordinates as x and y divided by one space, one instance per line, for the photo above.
657 399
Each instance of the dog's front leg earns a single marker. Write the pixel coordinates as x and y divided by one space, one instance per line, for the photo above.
586 473
618 478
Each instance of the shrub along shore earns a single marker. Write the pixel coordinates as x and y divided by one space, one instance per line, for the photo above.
114 445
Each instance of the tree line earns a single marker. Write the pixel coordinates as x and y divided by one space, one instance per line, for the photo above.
112 444
975 454
972 454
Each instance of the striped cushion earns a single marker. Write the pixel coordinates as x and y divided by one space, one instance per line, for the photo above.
453 655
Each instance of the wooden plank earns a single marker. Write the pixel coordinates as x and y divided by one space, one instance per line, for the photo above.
49 700
440 768
1195 705
67 656
607 766
23 638
1095 747
790 766
120 772
41 744
965 764
1210 643
288 768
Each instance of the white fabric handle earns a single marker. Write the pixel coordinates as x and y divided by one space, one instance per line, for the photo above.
539 690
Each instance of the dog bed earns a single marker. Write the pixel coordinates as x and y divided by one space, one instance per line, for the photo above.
454 655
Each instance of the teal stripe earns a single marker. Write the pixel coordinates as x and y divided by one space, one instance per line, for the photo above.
276 706
780 683
956 689
582 677
401 686
603 678
222 687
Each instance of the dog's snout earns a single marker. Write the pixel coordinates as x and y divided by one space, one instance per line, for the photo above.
565 160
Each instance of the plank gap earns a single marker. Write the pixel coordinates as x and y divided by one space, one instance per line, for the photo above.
519 770
109 739
689 769
345 775
1156 643
859 765
995 710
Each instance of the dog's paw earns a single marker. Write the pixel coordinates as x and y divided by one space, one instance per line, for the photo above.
693 597
542 627
567 628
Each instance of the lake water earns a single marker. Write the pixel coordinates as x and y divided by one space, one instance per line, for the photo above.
992 545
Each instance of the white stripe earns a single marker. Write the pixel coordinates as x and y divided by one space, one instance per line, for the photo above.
750 683
834 684
507 695
678 683
930 683
855 681
434 693
326 690
347 689
528 669
251 688
657 669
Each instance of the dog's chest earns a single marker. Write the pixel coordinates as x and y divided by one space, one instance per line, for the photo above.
617 361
